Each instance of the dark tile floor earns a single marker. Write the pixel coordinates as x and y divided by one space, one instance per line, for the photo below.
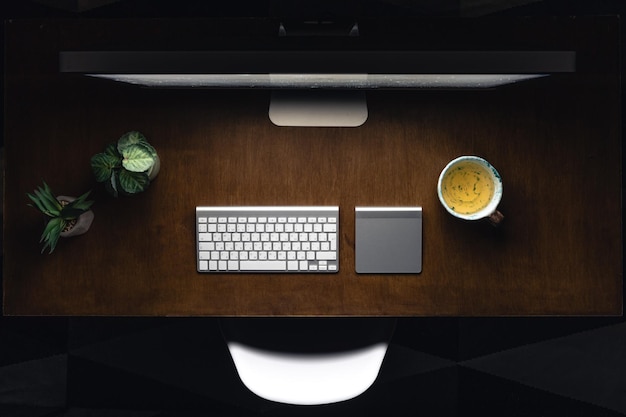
445 366
157 367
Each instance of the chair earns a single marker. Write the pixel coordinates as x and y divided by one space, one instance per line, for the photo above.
307 361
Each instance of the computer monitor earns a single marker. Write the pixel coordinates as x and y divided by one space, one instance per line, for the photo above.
318 87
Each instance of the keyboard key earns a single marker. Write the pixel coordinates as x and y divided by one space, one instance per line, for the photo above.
262 266
206 246
325 256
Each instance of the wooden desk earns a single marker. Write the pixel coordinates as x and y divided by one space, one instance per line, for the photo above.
555 141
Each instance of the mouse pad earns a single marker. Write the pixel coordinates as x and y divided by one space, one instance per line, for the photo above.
388 240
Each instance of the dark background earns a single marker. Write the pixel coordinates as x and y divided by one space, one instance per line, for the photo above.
153 367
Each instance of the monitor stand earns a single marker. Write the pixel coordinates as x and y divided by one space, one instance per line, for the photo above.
318 108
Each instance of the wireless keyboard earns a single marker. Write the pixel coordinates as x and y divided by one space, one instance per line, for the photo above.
296 239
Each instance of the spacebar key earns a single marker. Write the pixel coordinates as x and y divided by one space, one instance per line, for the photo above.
262 265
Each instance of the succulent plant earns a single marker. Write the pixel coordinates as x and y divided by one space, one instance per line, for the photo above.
62 213
125 167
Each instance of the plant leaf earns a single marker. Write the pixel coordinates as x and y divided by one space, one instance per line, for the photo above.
50 204
45 201
137 159
112 184
103 164
51 233
133 182
38 204
111 150
129 139
82 199
50 200
81 203
148 148
46 189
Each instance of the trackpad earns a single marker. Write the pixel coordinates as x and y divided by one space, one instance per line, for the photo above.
388 240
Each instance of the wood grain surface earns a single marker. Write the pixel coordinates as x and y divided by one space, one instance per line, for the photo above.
555 141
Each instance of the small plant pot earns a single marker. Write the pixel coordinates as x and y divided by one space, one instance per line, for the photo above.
81 224
154 171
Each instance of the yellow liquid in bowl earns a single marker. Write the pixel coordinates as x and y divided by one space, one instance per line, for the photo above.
467 187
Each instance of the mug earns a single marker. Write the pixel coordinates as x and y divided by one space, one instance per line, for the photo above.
470 188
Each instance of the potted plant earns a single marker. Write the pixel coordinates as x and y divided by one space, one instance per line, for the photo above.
128 166
69 216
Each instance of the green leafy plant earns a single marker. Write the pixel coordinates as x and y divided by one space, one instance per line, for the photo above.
63 214
125 167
